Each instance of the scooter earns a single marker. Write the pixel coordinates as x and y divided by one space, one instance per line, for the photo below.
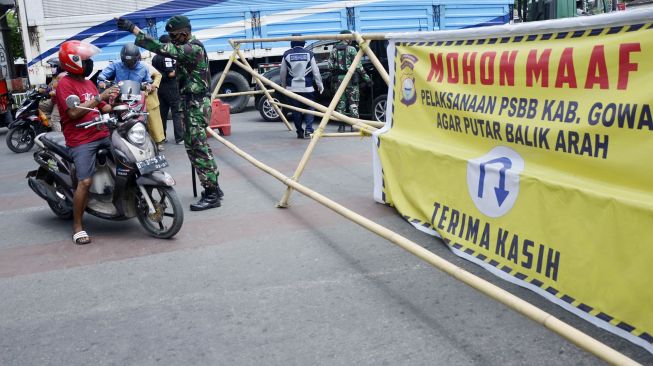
129 180
28 122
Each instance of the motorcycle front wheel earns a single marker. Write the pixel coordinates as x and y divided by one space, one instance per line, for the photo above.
20 139
168 214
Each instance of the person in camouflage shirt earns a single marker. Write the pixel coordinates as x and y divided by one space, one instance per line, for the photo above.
194 81
340 59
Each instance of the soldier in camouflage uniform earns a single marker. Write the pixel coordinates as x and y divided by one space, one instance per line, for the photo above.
340 59
194 80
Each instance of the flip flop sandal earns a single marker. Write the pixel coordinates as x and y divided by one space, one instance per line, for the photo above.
81 238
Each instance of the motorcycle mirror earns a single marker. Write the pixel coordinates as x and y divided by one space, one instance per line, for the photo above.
72 101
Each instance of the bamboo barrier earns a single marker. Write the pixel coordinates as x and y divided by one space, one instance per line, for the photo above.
346 134
375 61
315 37
317 106
224 72
320 114
515 303
325 119
252 92
262 87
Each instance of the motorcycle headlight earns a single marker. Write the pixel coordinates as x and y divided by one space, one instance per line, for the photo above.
137 135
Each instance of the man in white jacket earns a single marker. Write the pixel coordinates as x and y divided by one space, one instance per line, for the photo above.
298 72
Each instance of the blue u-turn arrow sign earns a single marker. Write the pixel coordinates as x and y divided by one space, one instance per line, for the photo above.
500 191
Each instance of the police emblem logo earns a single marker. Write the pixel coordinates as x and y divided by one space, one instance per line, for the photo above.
408 92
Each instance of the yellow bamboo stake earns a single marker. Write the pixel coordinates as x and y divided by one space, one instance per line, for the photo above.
346 134
361 125
375 61
316 37
225 71
317 106
253 92
530 311
333 116
325 119
263 88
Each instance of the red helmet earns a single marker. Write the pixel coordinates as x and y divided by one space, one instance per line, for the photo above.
73 53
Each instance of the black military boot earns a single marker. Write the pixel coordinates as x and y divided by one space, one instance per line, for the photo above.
210 199
341 127
220 193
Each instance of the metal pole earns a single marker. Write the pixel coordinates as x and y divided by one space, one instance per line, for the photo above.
325 119
530 311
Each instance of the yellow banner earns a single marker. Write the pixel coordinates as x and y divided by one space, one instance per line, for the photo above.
531 155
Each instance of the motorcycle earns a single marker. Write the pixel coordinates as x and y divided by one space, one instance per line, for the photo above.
28 122
129 180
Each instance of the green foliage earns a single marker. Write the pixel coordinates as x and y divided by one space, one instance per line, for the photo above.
15 41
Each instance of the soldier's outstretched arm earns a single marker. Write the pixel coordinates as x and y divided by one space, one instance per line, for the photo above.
182 53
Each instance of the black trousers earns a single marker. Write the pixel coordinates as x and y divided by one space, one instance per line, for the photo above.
169 102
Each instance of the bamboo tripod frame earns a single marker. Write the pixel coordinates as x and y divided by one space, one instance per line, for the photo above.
367 127
530 311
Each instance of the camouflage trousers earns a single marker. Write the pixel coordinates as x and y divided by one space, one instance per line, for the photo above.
348 103
195 115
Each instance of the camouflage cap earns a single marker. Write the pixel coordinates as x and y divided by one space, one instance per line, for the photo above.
177 22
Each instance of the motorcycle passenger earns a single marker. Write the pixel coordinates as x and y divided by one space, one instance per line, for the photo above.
48 106
83 143
130 67
194 80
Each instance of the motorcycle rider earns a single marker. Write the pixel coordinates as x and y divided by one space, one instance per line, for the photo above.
83 143
194 81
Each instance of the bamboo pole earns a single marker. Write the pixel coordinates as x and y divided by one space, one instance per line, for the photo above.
530 311
317 106
320 114
325 119
316 37
225 71
252 92
375 61
346 134
261 86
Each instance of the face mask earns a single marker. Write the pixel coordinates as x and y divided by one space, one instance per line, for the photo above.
88 67
177 38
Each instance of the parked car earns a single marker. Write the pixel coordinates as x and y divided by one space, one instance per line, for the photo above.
373 97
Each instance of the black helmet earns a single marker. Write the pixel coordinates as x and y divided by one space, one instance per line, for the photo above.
297 43
54 64
130 55
345 31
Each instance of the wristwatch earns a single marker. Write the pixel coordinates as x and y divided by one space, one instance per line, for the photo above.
97 98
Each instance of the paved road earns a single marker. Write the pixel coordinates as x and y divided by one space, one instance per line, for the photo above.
250 284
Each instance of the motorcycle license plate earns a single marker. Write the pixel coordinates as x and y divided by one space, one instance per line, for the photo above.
152 164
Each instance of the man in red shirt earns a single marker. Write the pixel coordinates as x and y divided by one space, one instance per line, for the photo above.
84 143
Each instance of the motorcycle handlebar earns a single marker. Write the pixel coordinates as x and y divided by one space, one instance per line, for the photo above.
96 121
87 124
